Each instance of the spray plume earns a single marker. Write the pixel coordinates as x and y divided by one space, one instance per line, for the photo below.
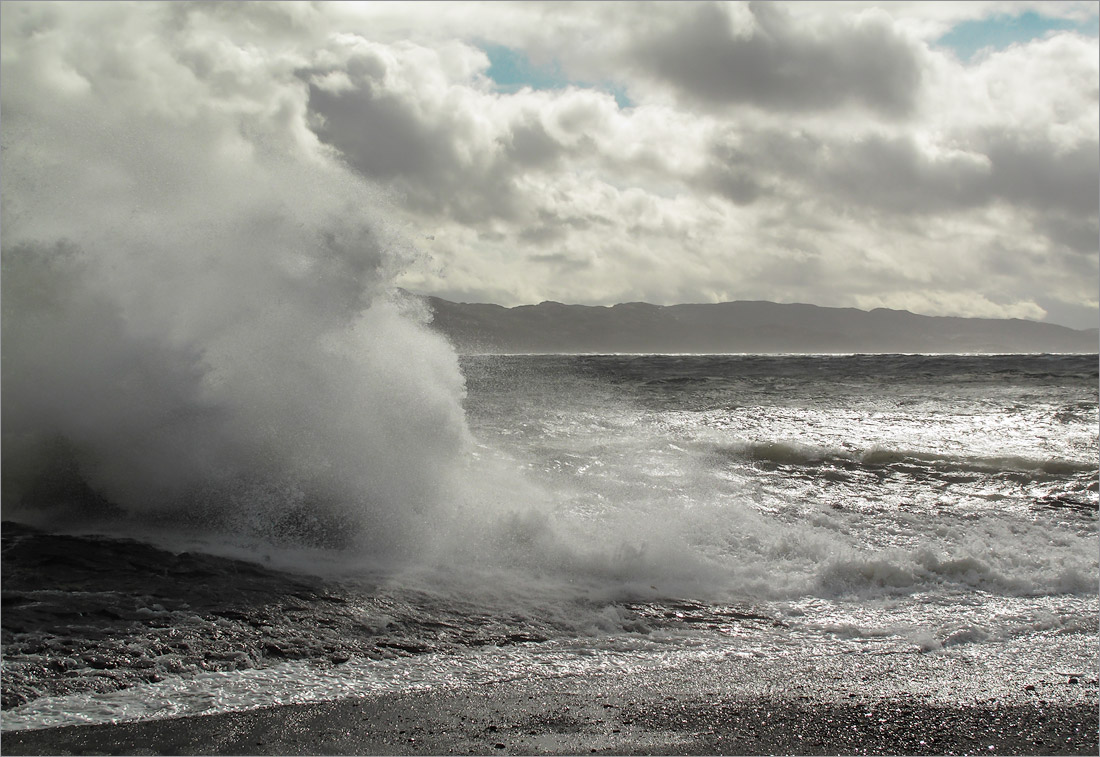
198 321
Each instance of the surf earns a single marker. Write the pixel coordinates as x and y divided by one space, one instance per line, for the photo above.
242 365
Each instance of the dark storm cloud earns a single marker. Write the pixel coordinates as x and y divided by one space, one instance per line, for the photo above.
1043 176
732 174
433 155
895 174
555 227
561 261
1076 234
380 134
529 144
780 66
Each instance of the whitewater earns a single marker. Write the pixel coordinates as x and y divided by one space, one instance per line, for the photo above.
611 512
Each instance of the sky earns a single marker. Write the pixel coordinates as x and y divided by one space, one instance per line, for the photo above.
935 157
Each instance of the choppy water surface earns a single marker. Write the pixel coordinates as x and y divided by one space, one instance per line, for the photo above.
616 511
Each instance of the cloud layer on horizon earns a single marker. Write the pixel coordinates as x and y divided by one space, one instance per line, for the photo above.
772 151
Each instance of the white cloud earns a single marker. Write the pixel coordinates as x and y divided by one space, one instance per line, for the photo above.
791 153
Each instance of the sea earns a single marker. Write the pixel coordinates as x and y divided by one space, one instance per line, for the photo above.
598 513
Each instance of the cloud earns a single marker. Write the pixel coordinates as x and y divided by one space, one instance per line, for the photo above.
961 304
439 134
896 174
1079 235
759 55
1031 173
773 151
888 132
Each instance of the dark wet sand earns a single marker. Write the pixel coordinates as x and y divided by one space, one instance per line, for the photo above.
837 704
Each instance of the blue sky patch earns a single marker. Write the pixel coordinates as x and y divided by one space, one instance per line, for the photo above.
998 32
511 70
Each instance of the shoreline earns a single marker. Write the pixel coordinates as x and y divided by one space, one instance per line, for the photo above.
836 704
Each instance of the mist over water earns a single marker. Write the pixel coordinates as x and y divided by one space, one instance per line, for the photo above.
245 369
199 325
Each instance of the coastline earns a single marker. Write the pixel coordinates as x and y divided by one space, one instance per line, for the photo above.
855 703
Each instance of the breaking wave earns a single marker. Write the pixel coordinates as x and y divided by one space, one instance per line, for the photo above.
248 370
782 452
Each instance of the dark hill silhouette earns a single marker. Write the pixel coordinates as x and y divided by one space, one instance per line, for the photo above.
738 327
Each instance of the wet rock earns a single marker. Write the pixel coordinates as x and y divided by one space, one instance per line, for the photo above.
62 664
99 662
12 698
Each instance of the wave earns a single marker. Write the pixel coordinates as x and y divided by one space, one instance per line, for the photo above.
924 570
241 364
793 453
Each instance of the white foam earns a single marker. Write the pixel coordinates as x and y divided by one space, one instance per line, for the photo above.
300 682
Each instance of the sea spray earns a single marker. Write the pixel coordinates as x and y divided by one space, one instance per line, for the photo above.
199 326
301 430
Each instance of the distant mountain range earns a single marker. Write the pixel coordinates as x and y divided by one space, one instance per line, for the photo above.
738 327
